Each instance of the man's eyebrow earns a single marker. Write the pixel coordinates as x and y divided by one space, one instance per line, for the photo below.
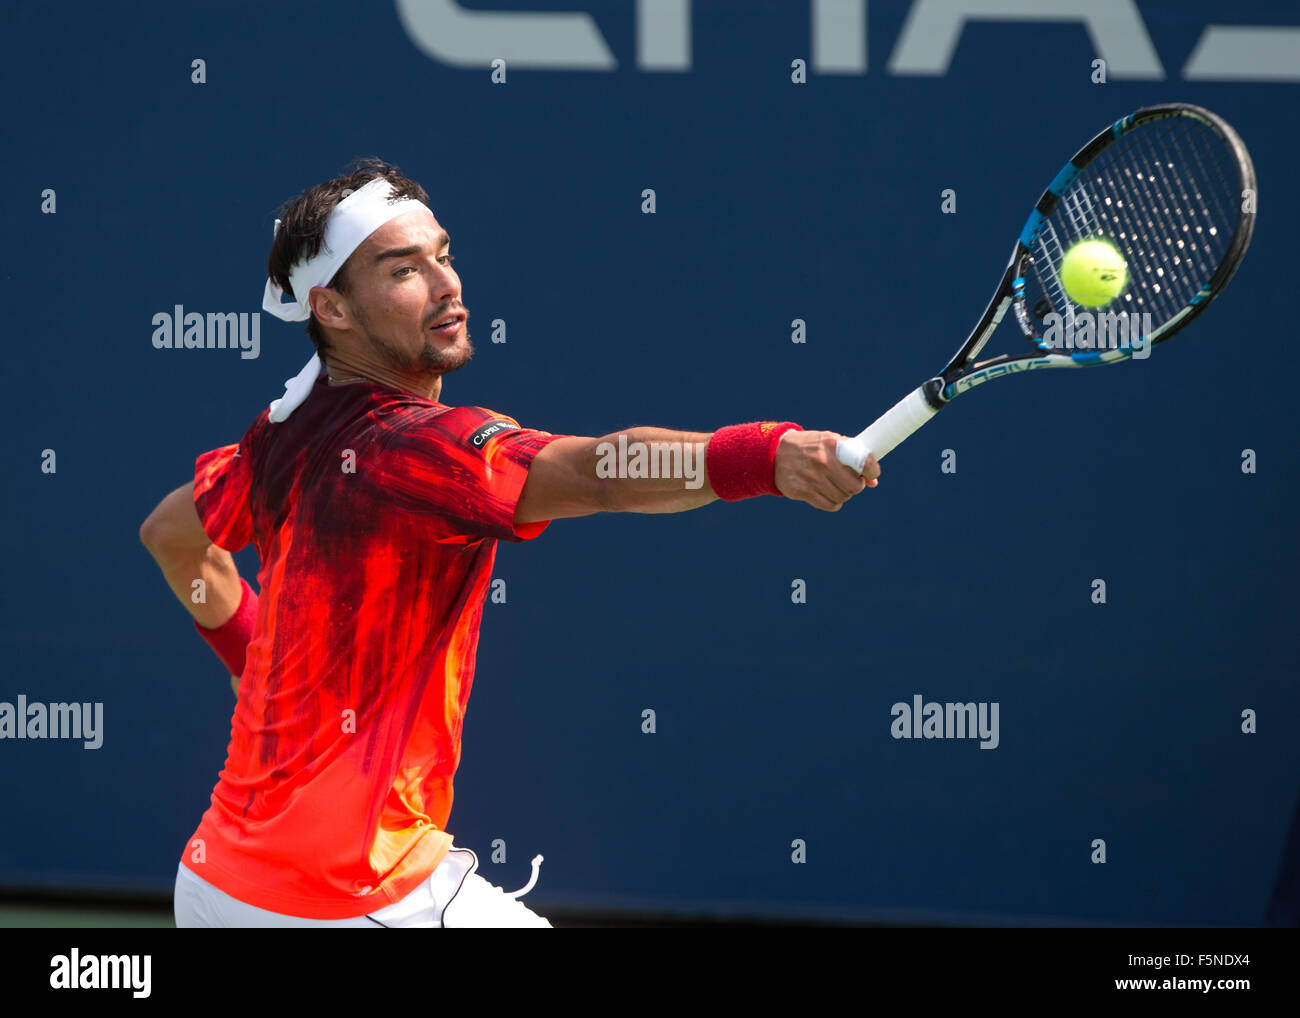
441 241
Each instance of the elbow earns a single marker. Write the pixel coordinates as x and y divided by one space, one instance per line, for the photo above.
173 530
156 533
149 533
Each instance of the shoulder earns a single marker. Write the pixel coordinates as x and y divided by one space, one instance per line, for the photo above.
253 437
471 426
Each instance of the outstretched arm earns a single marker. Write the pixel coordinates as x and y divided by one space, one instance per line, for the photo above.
580 476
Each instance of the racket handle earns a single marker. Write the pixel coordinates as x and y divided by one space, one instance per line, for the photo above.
889 430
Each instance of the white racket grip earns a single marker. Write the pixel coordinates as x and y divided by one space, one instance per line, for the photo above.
889 430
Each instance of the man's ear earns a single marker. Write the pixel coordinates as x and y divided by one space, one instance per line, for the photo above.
330 307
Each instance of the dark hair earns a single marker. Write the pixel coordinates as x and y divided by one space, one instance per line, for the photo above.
302 227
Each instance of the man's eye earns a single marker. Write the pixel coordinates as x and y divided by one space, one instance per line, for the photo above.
449 258
404 268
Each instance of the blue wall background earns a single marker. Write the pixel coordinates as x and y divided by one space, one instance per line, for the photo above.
775 201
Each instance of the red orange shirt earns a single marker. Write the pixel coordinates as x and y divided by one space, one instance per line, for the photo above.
376 515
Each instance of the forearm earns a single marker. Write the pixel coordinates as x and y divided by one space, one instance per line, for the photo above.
203 577
655 470
215 600
652 470
637 470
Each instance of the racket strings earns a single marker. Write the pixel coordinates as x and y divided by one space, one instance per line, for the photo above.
1149 231
1174 253
1080 219
1197 250
1050 253
1166 197
1225 204
1163 268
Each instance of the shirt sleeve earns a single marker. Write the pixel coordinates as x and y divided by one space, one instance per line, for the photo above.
463 470
223 482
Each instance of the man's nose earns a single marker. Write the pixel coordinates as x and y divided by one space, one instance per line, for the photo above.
445 283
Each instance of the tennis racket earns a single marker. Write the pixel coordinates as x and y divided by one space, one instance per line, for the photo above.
1171 187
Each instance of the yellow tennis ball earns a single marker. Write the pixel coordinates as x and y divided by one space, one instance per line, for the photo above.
1093 273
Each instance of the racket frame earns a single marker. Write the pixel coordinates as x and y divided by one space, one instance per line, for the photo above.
964 373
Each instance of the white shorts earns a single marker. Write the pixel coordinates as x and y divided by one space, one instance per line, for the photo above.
453 896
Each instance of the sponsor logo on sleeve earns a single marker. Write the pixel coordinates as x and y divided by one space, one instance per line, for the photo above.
486 431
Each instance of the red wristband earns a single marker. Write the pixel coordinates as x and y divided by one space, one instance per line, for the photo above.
231 640
741 459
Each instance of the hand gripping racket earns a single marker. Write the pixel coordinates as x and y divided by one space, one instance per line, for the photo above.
1172 188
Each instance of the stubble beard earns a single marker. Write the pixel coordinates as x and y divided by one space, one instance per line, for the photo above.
428 362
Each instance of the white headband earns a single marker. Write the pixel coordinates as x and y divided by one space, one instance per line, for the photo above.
353 219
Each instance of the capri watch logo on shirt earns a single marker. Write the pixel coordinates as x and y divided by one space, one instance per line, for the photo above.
480 437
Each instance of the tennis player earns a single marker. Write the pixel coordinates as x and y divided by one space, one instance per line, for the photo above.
376 509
